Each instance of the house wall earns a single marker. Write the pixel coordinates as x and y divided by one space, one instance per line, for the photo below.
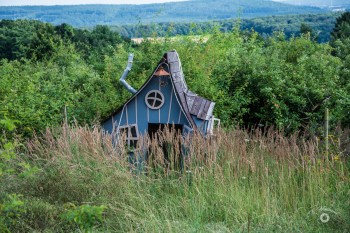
202 125
137 112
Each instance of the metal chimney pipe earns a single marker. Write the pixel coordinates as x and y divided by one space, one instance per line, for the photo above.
126 71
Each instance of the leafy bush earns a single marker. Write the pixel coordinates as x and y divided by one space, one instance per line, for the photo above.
11 208
86 216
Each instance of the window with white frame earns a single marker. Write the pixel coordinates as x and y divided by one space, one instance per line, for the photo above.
131 132
213 123
154 99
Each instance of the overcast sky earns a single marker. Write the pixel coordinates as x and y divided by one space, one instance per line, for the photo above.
77 2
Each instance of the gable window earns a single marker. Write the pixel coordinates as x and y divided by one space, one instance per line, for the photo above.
154 99
131 132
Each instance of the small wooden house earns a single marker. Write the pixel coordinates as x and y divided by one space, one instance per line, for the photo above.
164 99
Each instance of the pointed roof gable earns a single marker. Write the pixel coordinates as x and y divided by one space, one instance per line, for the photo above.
190 103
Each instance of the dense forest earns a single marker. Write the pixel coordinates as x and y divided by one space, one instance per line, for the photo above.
320 25
267 170
187 11
135 21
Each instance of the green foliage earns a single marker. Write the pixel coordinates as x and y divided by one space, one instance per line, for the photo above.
52 71
340 36
341 29
27 170
70 76
11 205
11 208
274 81
8 124
7 148
278 82
15 38
306 30
36 40
340 41
85 216
7 154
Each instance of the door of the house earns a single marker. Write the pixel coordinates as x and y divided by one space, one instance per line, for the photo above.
171 160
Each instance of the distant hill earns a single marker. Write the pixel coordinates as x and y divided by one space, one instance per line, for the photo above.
319 3
320 24
189 11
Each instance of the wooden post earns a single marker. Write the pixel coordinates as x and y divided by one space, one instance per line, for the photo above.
326 130
65 114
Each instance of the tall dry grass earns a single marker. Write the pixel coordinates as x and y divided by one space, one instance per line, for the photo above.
234 181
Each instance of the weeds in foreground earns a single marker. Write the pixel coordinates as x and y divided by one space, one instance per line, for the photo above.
235 181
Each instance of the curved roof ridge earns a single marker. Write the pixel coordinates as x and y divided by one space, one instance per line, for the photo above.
192 103
180 86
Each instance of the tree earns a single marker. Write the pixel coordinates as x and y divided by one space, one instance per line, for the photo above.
306 29
342 28
340 41
65 31
340 36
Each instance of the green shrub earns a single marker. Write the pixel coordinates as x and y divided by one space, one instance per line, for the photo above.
85 216
11 209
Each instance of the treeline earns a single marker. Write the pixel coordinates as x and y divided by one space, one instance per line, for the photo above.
321 26
46 70
186 11
51 73
320 3
36 40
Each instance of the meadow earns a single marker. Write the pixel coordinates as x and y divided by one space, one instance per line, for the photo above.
71 179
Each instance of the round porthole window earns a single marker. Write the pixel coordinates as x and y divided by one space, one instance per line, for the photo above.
154 99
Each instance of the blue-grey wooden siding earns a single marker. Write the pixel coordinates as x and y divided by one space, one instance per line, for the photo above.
137 112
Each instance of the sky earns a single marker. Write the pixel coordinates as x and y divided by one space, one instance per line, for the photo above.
77 2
